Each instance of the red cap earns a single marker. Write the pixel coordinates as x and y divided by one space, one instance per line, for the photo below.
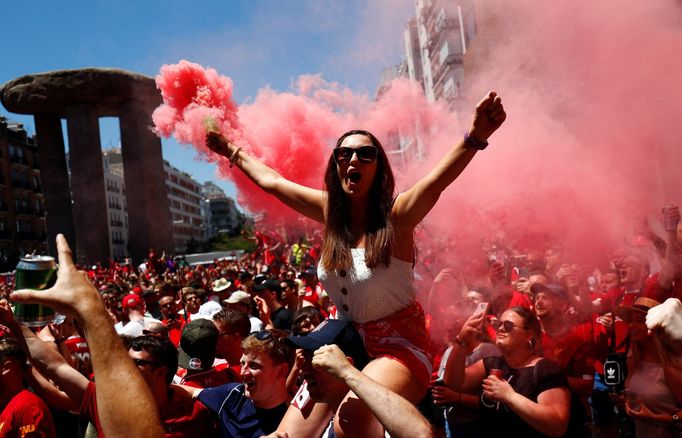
131 300
137 290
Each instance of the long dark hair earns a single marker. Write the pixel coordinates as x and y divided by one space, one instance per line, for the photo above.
338 238
532 324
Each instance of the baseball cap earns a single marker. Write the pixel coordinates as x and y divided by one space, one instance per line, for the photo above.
552 289
197 345
239 297
131 300
310 272
270 283
335 331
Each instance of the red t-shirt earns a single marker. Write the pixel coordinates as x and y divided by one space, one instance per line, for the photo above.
180 417
231 372
573 350
174 329
26 415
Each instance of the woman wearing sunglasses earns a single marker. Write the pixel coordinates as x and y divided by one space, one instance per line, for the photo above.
522 392
368 249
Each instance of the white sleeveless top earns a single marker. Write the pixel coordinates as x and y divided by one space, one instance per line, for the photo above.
363 294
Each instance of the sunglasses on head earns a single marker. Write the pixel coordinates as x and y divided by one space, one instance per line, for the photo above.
507 326
264 335
366 154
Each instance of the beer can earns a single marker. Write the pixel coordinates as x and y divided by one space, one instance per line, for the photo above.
670 223
497 373
38 273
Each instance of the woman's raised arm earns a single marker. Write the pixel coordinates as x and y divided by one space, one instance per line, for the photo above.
413 205
305 200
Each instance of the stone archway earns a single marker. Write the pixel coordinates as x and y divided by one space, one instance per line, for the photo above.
82 97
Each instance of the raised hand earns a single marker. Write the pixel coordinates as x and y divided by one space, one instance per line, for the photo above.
73 293
488 116
331 359
216 142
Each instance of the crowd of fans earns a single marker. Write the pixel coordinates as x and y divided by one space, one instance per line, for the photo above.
539 345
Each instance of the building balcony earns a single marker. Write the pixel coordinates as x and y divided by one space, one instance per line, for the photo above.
451 60
115 223
38 189
114 206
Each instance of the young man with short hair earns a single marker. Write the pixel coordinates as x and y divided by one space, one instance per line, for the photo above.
233 326
256 406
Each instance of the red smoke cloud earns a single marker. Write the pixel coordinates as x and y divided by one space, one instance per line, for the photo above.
589 150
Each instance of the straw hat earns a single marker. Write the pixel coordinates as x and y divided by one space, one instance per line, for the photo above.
641 306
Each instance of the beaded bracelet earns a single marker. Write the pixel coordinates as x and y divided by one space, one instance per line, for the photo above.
474 143
233 157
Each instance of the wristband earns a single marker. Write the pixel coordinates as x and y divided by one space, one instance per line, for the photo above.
474 143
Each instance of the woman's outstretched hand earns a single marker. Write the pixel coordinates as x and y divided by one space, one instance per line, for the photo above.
216 142
488 116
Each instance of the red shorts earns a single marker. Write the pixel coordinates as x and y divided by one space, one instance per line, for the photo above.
402 337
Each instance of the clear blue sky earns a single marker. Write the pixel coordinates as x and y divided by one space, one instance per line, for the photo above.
257 43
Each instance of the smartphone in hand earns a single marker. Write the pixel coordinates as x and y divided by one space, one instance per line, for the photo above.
481 309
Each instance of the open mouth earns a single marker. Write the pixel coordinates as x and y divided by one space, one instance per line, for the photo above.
354 176
250 384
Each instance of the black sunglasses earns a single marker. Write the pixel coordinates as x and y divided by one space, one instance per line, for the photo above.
508 326
366 154
264 335
140 362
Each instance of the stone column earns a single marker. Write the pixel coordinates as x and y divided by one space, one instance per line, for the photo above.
55 177
149 219
87 183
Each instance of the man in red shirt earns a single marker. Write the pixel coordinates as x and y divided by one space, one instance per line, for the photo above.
233 326
23 413
156 359
171 318
567 342
196 354
181 415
